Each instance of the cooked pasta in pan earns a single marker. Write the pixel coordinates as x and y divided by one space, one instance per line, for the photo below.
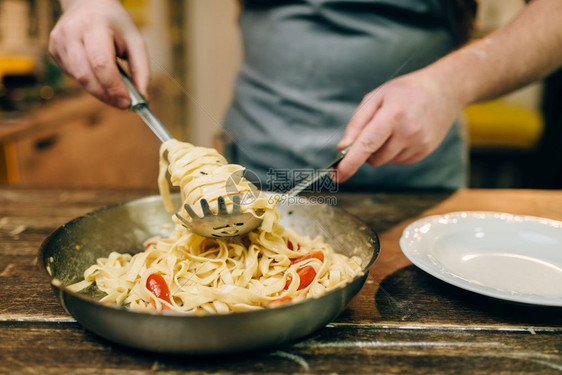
185 272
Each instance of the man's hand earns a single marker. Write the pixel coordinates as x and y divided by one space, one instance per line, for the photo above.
85 42
400 122
406 119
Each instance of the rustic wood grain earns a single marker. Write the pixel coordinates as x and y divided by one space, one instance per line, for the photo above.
403 319
55 348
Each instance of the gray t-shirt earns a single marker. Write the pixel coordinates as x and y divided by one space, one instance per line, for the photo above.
307 65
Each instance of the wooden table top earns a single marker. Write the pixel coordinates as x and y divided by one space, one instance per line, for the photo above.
402 321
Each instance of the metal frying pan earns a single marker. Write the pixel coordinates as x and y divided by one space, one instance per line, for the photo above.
73 247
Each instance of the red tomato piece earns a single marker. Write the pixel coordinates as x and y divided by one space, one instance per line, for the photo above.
291 246
157 285
306 275
315 254
281 300
149 244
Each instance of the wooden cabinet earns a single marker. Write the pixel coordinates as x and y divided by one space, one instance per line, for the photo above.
80 142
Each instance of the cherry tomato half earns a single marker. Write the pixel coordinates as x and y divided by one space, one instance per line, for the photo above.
306 275
157 285
315 254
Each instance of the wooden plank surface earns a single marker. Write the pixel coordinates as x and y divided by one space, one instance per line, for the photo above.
64 347
402 320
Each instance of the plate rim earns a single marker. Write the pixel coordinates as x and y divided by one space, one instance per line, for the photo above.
455 280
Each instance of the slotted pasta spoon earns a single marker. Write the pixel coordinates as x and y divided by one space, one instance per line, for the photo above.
223 224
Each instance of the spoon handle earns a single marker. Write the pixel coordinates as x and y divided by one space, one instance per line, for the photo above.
139 104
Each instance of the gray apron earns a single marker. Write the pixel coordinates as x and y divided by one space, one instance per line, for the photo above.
307 65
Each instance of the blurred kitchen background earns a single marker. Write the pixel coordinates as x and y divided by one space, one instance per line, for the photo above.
53 134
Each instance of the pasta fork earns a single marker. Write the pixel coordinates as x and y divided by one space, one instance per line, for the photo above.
222 225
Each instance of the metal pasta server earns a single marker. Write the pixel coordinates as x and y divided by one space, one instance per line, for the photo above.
223 224
139 104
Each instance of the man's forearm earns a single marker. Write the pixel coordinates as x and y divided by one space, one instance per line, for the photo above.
527 49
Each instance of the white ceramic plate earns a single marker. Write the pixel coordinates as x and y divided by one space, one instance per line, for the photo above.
515 258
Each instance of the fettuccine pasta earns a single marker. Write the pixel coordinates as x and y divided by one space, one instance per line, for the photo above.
185 272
